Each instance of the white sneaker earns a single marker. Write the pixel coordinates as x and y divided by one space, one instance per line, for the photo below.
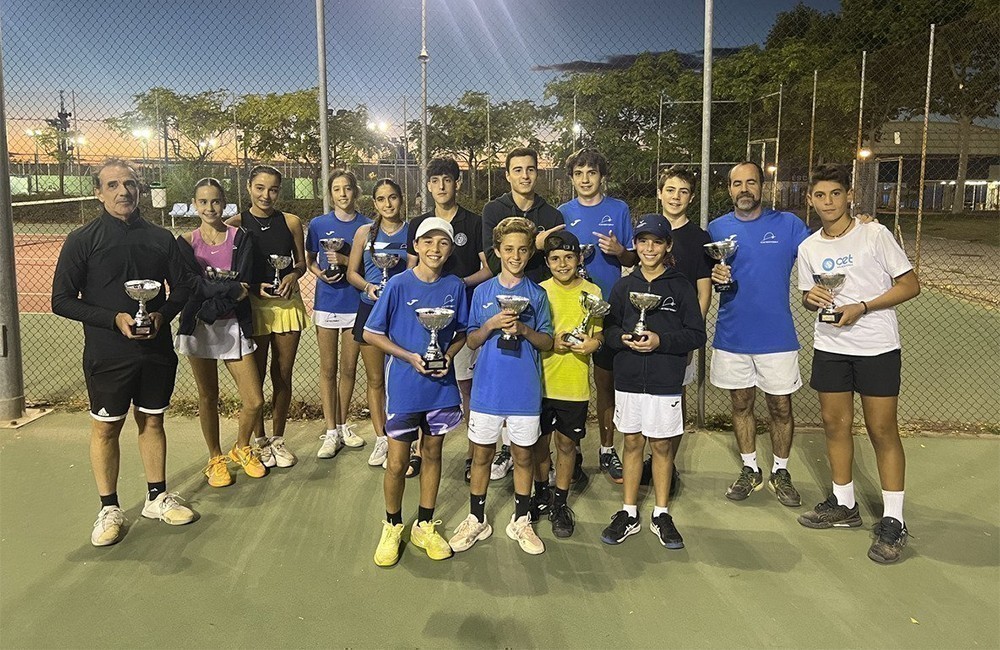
521 531
332 443
109 527
380 451
350 438
470 531
167 508
502 464
283 457
266 457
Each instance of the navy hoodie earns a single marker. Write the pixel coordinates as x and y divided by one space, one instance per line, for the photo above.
677 321
543 215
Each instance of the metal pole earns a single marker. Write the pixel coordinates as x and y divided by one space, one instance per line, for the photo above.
659 137
576 127
812 138
923 148
424 57
489 153
236 146
857 148
777 150
706 157
11 371
749 125
324 132
406 163
899 193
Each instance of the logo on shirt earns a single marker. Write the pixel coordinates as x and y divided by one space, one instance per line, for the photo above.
574 222
461 239
769 238
330 232
410 303
674 405
487 305
212 252
668 304
606 220
449 301
844 262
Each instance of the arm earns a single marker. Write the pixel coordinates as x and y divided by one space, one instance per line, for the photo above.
540 340
67 283
181 279
355 264
482 275
291 279
235 221
704 295
904 288
692 335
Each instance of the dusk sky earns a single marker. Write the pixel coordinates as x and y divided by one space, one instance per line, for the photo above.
108 50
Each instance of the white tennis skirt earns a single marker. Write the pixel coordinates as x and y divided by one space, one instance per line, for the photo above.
222 340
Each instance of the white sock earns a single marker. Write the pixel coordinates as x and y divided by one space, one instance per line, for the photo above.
607 450
261 441
750 460
380 437
657 511
892 505
844 494
341 429
332 432
779 463
633 511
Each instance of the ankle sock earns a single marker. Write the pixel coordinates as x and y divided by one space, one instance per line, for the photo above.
607 450
477 506
892 505
109 500
779 463
394 518
844 494
657 511
633 511
561 496
424 514
750 460
156 489
521 505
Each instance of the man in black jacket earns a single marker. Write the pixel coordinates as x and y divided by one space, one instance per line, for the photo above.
121 368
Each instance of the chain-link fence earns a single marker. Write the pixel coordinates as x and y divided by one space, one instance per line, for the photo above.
184 91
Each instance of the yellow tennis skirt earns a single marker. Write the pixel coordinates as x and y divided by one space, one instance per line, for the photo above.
277 315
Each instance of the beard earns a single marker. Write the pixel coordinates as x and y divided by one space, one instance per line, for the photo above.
747 202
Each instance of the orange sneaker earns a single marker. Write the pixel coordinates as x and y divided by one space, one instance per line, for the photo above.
218 472
249 459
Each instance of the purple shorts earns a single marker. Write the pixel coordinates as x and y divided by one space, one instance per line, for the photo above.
404 426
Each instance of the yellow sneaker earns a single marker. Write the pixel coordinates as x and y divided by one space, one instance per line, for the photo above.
218 472
387 551
424 535
249 459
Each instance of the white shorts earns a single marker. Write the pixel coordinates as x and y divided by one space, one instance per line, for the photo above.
691 372
331 321
776 373
523 430
464 362
222 340
654 416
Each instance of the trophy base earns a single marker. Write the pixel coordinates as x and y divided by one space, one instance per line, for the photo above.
270 289
335 271
639 336
572 339
439 363
830 316
144 329
725 287
511 344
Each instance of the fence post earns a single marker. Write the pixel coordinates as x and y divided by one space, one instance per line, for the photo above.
324 135
923 149
706 174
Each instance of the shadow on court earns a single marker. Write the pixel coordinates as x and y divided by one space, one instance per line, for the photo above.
285 561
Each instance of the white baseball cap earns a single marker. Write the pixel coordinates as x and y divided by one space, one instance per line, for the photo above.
434 223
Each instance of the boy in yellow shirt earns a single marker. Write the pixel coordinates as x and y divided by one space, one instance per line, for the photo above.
566 370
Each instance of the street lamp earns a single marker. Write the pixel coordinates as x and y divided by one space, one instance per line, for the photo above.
865 153
34 134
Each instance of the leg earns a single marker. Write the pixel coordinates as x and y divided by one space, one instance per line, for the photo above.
482 456
663 465
430 473
744 424
604 382
883 431
542 458
523 468
260 359
206 378
394 481
152 445
105 454
326 338
285 347
565 460
632 467
349 349
244 373
837 410
779 407
375 372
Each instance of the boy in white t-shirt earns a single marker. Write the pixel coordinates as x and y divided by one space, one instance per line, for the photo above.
857 349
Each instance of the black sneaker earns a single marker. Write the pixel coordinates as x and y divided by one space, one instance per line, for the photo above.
647 472
468 470
830 514
621 526
539 508
612 464
563 521
748 481
665 531
781 484
675 482
890 538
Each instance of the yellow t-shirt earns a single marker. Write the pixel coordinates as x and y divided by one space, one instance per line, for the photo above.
567 374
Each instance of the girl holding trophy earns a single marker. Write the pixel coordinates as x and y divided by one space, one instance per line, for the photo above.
216 324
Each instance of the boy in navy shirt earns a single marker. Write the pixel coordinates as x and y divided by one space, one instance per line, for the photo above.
509 388
418 399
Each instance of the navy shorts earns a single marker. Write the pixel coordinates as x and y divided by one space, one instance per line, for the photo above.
604 358
364 310
877 376
566 417
404 426
145 381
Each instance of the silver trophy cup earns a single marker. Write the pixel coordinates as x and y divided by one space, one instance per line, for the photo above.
593 307
215 274
586 253
434 319
280 263
722 251
334 245
141 291
384 261
516 304
832 282
643 302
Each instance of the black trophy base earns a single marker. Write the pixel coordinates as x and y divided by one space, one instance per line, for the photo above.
511 344
141 329
725 286
437 363
830 316
336 271
571 339
269 289
639 336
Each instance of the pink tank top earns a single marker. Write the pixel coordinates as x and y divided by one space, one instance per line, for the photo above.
219 256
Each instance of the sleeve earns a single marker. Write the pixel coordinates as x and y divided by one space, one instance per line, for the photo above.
805 269
462 312
613 321
627 236
411 230
692 335
543 314
180 278
800 231
312 237
378 319
889 254
69 279
475 314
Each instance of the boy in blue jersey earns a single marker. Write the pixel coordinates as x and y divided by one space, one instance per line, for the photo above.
755 345
418 399
507 383
605 223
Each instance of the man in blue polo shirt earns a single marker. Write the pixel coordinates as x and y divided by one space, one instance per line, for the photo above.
755 343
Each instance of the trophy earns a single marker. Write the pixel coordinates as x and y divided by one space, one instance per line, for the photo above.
279 262
142 290
215 274
334 245
644 302
384 261
831 282
722 251
516 304
593 307
586 252
434 319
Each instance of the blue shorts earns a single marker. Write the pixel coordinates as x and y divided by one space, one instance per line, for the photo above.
404 426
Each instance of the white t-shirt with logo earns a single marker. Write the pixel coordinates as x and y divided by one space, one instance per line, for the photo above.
870 258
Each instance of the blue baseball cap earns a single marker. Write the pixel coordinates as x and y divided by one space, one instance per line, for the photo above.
654 224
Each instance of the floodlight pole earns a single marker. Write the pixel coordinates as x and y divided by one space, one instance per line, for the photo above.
706 157
424 58
812 137
324 131
489 153
406 163
659 136
777 150
923 148
861 112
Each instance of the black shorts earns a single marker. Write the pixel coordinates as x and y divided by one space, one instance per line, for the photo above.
364 309
877 376
605 358
145 381
568 418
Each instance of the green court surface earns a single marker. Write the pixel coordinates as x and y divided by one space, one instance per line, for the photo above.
286 561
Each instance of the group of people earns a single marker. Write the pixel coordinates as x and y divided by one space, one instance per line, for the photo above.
493 321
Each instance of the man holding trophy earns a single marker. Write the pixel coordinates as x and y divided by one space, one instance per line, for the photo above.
128 359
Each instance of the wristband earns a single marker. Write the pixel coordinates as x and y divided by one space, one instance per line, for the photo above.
865 305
